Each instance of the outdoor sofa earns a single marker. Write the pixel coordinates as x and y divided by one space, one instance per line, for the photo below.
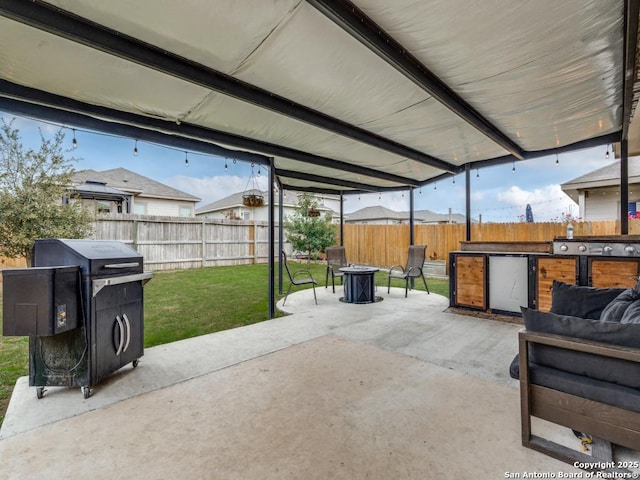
579 366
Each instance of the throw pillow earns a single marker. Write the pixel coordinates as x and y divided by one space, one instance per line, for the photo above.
579 301
622 372
618 306
632 314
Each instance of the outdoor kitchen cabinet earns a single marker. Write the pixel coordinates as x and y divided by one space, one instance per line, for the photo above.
613 272
469 272
548 269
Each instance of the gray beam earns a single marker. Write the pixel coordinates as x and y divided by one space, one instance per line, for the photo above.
55 21
357 24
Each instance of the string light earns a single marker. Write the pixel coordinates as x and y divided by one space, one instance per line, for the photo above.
259 170
606 155
477 173
135 149
186 159
454 179
557 160
74 142
226 167
514 167
435 186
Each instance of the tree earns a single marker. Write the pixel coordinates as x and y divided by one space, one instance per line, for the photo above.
306 233
34 194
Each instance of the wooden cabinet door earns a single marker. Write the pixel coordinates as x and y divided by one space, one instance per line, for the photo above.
563 269
470 279
622 273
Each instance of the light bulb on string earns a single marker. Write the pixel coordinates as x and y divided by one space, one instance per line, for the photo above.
135 149
557 160
74 142
186 159
454 179
477 173
606 155
259 170
226 167
435 186
514 167
234 161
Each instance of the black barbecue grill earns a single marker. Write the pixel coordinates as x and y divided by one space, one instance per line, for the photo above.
100 300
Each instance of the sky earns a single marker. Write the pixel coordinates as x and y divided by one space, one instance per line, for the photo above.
498 194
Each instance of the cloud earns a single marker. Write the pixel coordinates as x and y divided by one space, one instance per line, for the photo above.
548 202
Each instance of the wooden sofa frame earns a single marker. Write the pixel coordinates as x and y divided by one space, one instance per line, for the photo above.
602 421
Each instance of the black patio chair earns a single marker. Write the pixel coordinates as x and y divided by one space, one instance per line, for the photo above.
413 269
336 259
298 281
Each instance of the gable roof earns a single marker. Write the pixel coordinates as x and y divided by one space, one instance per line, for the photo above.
375 212
139 185
378 212
235 200
607 176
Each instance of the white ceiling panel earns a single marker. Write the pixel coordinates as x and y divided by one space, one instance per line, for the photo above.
383 94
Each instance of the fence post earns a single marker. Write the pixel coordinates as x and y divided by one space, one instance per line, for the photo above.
135 234
204 243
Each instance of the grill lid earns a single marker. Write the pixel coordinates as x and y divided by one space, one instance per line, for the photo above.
95 257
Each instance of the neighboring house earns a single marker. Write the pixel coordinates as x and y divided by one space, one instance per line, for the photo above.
232 207
597 193
384 216
122 191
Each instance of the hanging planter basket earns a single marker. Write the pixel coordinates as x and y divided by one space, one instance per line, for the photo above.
253 197
252 200
313 212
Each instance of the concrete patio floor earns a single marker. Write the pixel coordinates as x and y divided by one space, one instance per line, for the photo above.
396 389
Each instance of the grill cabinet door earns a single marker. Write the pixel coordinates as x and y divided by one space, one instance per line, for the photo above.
118 330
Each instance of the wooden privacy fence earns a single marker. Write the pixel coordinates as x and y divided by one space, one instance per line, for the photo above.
386 245
170 243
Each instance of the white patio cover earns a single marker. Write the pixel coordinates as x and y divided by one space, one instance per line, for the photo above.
545 75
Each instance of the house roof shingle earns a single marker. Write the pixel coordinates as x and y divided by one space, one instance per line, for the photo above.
123 179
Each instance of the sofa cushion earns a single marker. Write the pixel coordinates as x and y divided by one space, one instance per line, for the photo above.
632 314
622 372
579 301
619 305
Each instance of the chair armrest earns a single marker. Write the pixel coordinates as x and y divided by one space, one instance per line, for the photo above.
398 267
306 272
572 343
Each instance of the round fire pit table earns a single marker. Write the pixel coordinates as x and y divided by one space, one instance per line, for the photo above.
359 284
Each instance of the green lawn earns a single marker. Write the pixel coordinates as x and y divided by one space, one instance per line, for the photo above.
188 303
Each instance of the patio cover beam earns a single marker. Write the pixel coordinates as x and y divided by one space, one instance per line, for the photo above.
20 100
357 24
632 10
328 180
183 142
76 29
